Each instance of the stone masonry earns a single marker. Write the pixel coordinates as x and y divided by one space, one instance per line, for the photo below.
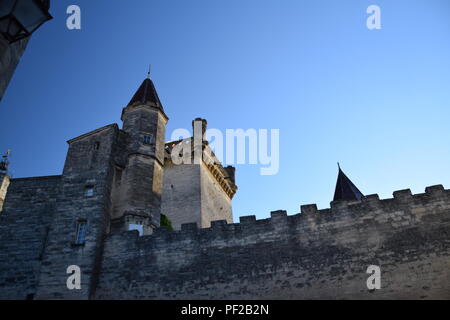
316 254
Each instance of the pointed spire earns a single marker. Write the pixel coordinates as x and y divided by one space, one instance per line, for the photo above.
146 94
345 189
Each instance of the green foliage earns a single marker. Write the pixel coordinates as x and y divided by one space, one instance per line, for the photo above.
165 222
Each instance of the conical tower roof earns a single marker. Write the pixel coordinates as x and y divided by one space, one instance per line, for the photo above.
345 189
146 94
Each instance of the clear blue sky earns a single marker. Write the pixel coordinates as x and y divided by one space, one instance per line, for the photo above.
377 101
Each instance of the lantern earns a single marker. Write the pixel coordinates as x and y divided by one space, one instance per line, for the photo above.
20 18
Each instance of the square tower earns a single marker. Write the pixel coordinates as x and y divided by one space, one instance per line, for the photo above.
197 191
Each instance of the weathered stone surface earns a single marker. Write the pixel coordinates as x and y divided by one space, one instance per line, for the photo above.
204 189
24 227
181 199
320 254
312 255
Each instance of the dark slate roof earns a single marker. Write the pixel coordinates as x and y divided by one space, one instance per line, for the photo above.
345 189
146 94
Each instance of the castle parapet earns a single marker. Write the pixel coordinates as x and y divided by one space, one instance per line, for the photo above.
228 260
189 226
247 219
392 212
403 195
435 190
308 209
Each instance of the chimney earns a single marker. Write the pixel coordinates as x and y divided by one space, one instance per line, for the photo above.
204 124
231 173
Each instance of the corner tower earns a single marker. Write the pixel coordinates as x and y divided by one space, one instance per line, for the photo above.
144 123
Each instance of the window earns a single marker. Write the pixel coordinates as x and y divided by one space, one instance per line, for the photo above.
148 139
138 227
80 237
89 191
97 145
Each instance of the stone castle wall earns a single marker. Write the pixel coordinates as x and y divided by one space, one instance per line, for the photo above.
316 254
216 204
24 226
181 198
202 189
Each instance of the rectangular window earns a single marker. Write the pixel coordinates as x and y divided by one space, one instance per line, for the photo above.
148 139
89 191
80 237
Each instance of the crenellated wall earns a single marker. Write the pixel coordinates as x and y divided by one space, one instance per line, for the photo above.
316 254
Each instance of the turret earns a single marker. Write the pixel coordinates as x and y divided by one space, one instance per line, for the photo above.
144 122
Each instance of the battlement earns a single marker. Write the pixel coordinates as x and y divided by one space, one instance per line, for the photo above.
403 208
317 253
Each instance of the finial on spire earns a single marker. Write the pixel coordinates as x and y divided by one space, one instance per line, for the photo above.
149 71
339 166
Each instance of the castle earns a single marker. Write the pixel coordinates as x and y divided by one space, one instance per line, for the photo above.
103 214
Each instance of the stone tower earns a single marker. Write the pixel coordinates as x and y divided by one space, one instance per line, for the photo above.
112 180
137 198
202 187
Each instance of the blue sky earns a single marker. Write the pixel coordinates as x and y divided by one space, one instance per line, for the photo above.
376 101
